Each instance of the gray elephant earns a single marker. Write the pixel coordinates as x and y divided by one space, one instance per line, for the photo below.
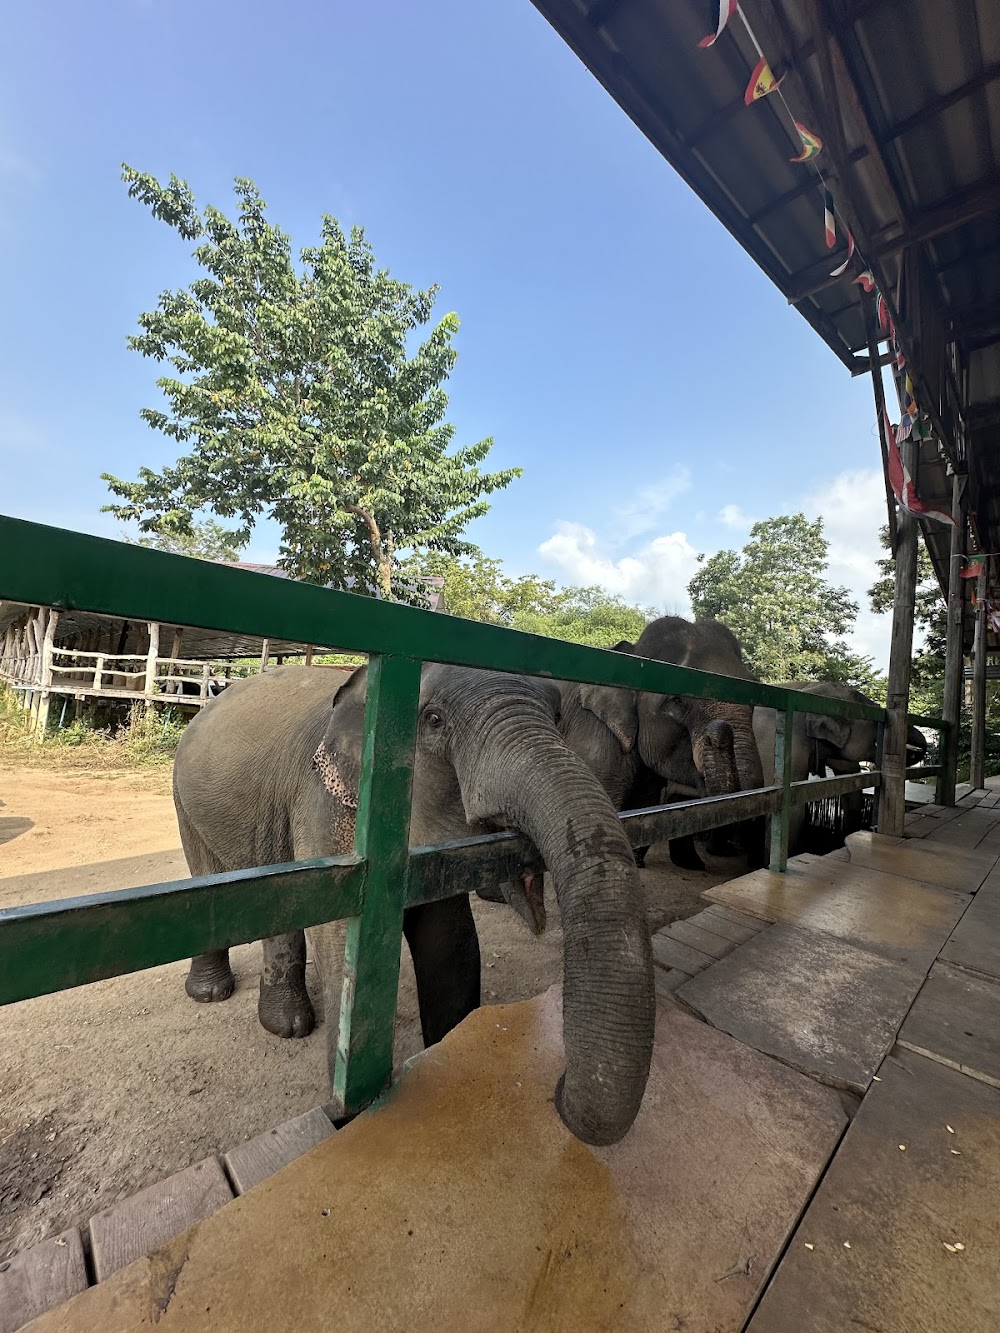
820 743
637 744
268 773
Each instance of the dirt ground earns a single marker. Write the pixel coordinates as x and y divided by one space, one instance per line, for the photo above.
110 1087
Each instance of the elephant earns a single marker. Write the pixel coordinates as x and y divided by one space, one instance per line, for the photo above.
637 743
819 743
268 773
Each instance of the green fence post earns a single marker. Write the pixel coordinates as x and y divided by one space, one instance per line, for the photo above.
382 835
783 725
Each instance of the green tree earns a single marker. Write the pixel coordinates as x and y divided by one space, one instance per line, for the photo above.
208 540
476 587
302 392
775 598
586 615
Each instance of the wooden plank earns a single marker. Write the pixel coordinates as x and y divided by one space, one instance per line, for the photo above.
250 1163
901 919
136 1226
699 937
38 1279
720 922
449 1226
929 862
666 981
975 941
733 914
816 1002
669 952
897 1211
956 1020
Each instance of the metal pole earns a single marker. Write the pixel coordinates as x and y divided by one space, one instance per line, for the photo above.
977 761
951 711
892 793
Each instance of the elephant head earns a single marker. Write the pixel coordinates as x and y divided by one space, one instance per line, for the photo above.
489 757
843 743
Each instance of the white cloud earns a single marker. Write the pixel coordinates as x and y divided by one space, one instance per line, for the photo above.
852 506
732 516
657 574
650 503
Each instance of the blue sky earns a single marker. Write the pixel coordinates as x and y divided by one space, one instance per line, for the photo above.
615 341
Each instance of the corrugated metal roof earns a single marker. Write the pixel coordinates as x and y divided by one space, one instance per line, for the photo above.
906 97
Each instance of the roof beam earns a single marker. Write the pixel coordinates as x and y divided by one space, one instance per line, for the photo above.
940 104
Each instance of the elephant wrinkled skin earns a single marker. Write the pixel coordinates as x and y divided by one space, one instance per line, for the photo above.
488 757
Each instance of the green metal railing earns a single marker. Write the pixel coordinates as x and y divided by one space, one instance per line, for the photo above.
45 947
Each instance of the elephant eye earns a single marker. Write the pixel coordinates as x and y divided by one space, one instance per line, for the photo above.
433 719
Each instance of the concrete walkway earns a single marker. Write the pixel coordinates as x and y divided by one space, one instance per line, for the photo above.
818 1150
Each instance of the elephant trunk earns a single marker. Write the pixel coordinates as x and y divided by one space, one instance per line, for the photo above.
522 777
715 759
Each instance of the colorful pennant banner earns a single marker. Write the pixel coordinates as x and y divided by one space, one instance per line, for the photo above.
835 273
811 143
902 483
727 8
867 281
762 82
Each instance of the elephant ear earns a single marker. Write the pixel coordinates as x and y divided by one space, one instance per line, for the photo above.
616 708
338 756
836 731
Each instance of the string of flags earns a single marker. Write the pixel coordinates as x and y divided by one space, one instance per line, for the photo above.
912 424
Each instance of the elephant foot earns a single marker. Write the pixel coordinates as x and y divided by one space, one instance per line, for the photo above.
285 1009
210 979
684 854
640 857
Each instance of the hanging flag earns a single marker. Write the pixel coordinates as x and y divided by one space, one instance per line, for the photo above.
972 570
994 618
897 351
883 313
902 485
829 221
762 82
811 143
727 8
850 252
867 281
909 402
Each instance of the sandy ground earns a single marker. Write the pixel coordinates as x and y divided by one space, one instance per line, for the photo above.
110 1087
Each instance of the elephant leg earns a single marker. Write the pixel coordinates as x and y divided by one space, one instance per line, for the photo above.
640 856
444 947
284 1007
684 854
210 977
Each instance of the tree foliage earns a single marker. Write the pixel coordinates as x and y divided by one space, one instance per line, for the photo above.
207 540
301 392
774 596
477 588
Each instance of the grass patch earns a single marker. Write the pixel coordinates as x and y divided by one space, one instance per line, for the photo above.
139 739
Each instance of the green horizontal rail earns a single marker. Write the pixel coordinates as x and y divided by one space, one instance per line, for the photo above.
47 947
46 566
931 723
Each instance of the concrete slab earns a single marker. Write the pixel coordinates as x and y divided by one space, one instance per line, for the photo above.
38 1279
975 941
949 867
897 1211
898 918
816 1002
463 1202
956 1020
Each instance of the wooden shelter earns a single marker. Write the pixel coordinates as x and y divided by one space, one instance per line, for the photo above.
82 657
905 101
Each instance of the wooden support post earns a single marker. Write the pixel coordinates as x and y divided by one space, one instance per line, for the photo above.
951 711
45 674
152 654
206 675
309 655
98 671
265 653
892 793
977 758
175 647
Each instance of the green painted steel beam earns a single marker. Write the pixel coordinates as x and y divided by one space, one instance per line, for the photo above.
51 567
931 723
47 947
363 1064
